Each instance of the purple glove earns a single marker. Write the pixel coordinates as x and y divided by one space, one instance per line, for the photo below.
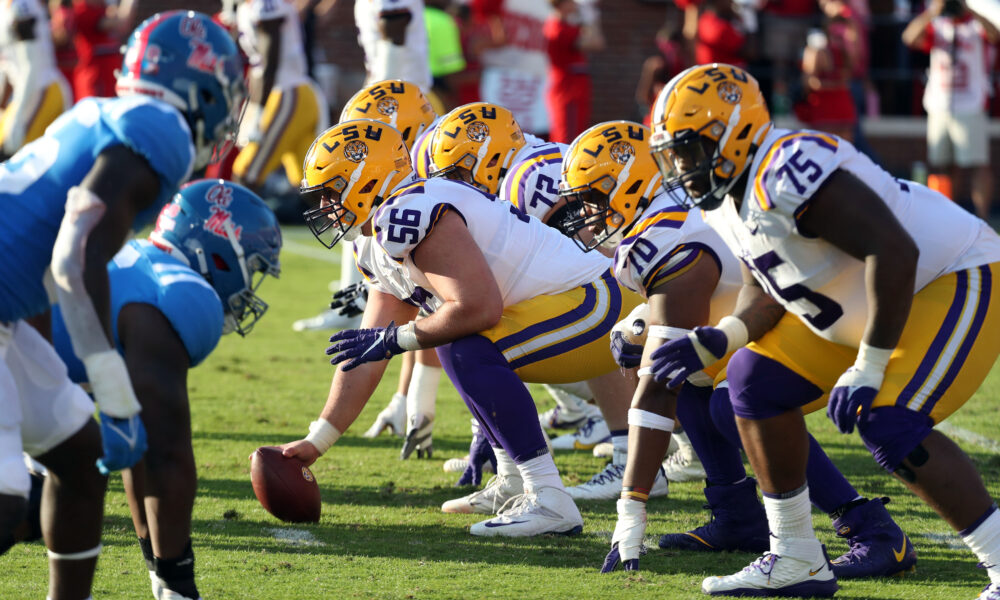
626 355
613 559
677 359
480 452
852 397
364 345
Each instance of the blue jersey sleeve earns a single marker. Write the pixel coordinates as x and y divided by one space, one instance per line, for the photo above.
157 132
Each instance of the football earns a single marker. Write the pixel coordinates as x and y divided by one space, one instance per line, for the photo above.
284 486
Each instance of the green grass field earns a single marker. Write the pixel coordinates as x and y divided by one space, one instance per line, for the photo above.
382 534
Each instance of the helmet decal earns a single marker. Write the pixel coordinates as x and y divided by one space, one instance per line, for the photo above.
394 102
477 131
219 197
387 106
356 151
730 92
622 151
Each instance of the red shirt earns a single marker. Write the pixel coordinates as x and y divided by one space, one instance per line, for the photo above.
792 8
565 58
718 41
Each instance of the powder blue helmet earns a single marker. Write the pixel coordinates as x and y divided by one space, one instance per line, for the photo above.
225 232
191 63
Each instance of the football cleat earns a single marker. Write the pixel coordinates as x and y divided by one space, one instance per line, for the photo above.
878 547
591 433
487 501
683 465
392 417
738 522
546 510
990 592
418 437
607 485
604 450
568 417
458 465
776 575
328 319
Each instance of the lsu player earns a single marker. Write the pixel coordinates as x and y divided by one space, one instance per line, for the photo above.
522 304
70 198
40 92
172 297
689 277
286 108
873 289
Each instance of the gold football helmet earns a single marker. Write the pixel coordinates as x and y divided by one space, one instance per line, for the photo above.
396 102
476 143
707 124
608 178
348 171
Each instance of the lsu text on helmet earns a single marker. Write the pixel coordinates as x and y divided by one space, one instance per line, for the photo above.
707 124
348 171
608 178
476 143
225 232
190 62
396 102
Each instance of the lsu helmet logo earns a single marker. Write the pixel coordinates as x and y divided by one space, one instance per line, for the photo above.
356 151
387 106
729 92
477 131
622 152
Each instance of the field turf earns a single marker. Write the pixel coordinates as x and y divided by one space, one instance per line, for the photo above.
382 534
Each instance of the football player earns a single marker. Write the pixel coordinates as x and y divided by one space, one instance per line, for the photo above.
41 93
70 198
172 297
690 277
522 304
285 108
875 290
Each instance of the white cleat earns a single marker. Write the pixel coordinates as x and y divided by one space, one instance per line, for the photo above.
392 417
328 319
487 501
607 485
162 592
684 465
604 450
546 510
564 417
990 592
458 465
776 575
593 432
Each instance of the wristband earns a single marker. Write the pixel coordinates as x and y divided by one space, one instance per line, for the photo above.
322 435
406 336
96 550
736 332
871 359
664 332
110 384
644 371
649 420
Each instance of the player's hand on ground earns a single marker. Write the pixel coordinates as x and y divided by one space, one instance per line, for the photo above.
626 542
627 355
123 441
302 450
358 346
851 398
674 361
350 301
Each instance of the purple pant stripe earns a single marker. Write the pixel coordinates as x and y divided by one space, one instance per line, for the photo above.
937 346
986 281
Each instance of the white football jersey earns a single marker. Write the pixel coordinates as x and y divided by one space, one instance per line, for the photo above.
292 69
811 278
43 54
532 181
417 68
527 258
667 240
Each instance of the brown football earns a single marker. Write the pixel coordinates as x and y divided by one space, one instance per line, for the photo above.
284 486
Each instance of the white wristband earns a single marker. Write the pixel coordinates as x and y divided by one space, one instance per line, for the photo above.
322 435
406 336
665 332
110 384
736 332
644 371
95 551
871 359
649 420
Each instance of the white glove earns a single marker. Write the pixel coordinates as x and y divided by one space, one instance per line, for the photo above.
630 528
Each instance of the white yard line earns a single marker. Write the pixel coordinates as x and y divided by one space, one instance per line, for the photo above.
968 436
294 537
947 539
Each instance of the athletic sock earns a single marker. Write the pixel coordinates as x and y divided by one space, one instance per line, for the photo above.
540 472
505 465
619 439
178 573
421 396
789 515
983 537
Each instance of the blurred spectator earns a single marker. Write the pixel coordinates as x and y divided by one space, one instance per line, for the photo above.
63 29
657 70
721 36
444 53
472 34
568 32
97 48
784 25
394 37
515 65
955 98
689 27
826 72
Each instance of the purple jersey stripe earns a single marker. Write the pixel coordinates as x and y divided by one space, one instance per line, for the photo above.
557 322
653 278
522 181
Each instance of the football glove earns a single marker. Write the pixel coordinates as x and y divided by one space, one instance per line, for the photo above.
675 360
350 301
123 441
853 394
627 355
480 453
358 346
626 543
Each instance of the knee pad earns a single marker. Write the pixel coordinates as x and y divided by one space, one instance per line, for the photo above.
722 414
761 388
893 433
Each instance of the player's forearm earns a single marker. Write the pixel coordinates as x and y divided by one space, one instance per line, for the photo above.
349 392
889 279
455 320
758 311
652 413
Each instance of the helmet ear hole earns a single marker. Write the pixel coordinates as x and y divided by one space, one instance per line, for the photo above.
368 187
634 187
744 132
220 263
493 161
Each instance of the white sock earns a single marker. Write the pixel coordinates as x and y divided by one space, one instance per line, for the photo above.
506 466
684 445
565 400
984 540
620 443
421 396
540 472
349 273
790 516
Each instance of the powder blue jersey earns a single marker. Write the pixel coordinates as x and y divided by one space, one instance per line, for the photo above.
142 273
34 183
